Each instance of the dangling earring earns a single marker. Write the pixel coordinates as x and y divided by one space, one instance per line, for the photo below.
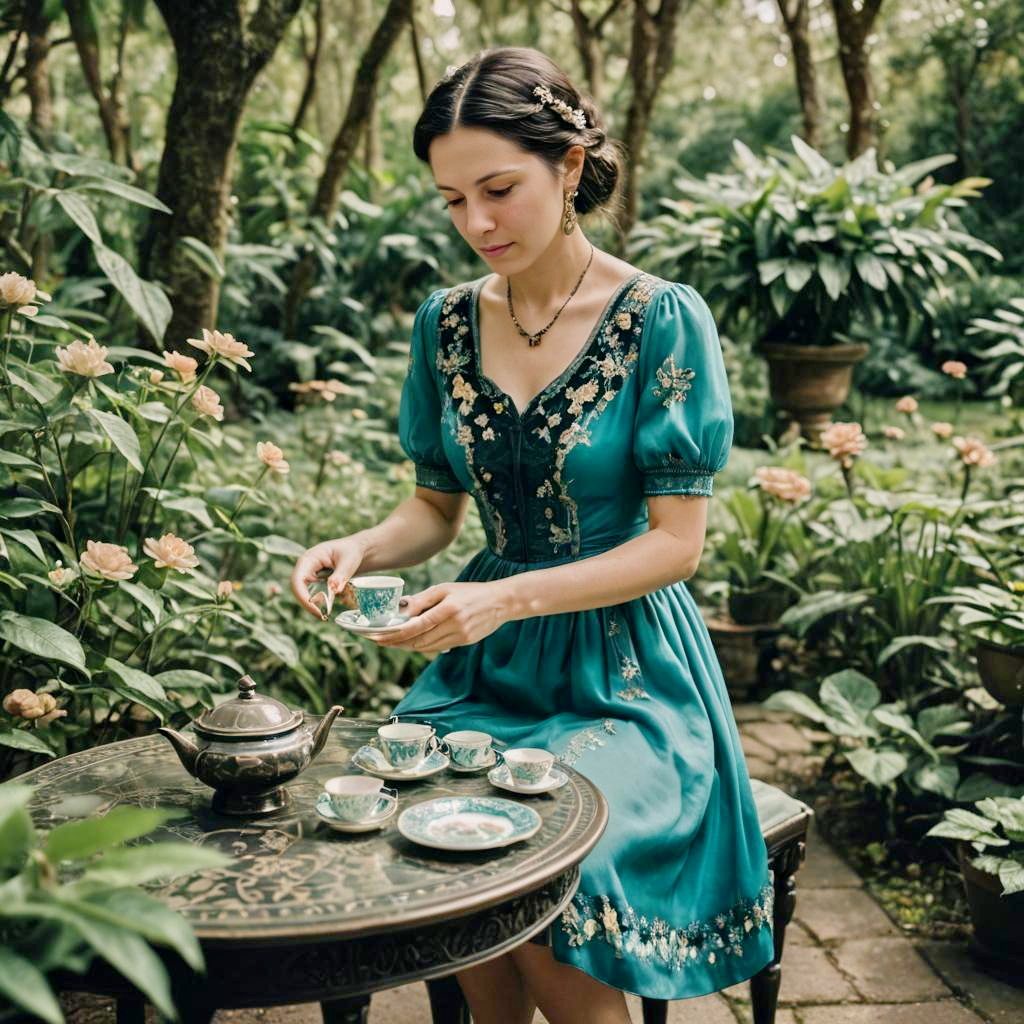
569 213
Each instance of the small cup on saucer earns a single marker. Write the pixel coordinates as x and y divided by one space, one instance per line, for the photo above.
406 744
355 797
529 766
470 748
377 597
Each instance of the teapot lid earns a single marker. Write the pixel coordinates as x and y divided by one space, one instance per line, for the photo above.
248 716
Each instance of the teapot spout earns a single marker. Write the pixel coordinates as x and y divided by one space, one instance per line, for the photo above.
185 748
324 728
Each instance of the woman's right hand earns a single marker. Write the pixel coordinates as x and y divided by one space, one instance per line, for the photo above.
342 557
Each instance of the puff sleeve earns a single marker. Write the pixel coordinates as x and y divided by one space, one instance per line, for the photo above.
684 424
419 414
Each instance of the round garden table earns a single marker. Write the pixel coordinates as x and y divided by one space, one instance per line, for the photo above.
308 914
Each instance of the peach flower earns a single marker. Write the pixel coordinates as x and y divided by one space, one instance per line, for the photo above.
61 576
156 376
206 402
20 293
111 561
226 588
336 457
272 456
844 441
223 346
974 452
907 404
170 552
784 484
943 430
23 704
85 360
895 433
184 366
955 369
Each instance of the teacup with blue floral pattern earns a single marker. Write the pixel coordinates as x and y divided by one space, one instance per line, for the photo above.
529 765
355 797
469 748
378 597
405 744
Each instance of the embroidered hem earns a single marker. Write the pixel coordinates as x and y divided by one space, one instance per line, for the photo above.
590 918
437 479
697 482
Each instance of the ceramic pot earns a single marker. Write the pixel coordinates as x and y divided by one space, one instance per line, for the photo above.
811 381
760 605
998 944
1002 671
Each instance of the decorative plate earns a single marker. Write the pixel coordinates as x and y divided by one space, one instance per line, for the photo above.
372 761
502 778
468 823
382 813
463 770
356 623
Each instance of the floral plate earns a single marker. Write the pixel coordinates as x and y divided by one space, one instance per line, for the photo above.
356 623
381 814
372 761
468 823
502 778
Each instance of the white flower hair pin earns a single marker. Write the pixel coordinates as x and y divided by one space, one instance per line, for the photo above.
573 115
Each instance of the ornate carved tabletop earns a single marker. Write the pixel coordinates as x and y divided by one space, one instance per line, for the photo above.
357 899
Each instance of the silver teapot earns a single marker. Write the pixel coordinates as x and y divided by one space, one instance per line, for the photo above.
247 748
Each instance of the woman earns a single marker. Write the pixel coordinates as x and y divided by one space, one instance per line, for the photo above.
584 406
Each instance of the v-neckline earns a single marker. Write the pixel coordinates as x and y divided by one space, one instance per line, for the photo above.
474 330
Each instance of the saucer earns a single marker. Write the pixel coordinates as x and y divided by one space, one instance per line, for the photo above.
372 761
502 778
382 813
468 823
463 770
356 623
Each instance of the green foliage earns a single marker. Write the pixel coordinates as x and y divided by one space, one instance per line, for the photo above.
1002 362
797 250
996 832
72 895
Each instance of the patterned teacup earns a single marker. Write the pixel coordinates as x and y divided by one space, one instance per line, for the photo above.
405 744
378 597
529 765
354 797
469 748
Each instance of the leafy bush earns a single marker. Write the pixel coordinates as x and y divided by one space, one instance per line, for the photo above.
997 853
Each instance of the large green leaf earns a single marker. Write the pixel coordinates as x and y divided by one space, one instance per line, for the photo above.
28 539
17 835
124 191
75 840
42 638
22 508
199 253
146 300
959 823
1008 812
799 703
879 767
901 643
149 599
195 507
38 387
135 679
81 213
1011 874
849 696
185 679
812 609
138 865
26 987
122 435
22 739
940 778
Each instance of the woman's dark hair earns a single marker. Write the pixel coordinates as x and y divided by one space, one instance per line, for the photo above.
494 90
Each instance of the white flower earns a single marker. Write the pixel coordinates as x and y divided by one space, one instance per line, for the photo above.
85 360
272 456
171 552
110 561
206 402
223 346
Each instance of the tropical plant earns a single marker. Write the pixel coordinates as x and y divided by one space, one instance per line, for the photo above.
991 612
1002 362
72 894
796 250
996 832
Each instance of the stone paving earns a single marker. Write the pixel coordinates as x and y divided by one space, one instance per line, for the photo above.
845 961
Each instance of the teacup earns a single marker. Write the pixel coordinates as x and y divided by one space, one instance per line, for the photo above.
469 748
529 765
378 597
354 797
406 744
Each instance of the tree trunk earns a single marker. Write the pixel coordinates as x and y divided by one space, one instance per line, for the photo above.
417 54
589 34
853 25
312 67
360 104
37 70
652 48
218 59
795 17
87 41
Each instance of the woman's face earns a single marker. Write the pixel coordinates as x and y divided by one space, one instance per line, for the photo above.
505 202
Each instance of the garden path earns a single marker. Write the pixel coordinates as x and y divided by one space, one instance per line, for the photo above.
846 962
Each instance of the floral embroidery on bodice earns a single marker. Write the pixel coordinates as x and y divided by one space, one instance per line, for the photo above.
517 459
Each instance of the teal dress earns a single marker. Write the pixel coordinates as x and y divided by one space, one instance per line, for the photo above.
675 899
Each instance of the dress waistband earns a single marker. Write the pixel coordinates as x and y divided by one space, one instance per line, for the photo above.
587 551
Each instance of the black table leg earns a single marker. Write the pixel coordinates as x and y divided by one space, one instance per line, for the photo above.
131 1011
346 1011
447 1003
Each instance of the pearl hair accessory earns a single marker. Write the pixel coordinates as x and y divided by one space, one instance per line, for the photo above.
573 115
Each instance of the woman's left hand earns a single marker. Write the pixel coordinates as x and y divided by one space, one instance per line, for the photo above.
447 615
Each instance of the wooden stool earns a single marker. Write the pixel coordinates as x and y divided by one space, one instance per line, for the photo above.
784 823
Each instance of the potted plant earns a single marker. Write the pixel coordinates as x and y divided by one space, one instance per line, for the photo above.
795 251
993 616
993 879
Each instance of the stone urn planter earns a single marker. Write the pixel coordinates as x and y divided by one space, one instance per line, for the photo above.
760 606
998 942
1002 671
742 651
811 381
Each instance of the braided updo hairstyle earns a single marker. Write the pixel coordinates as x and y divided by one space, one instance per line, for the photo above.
494 90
